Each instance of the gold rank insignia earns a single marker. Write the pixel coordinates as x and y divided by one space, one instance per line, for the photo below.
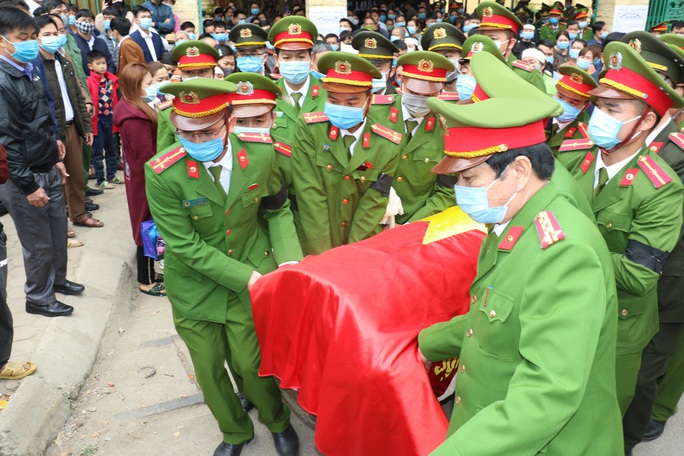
653 171
192 51
294 29
163 162
426 65
343 67
636 45
245 88
548 229
386 133
245 33
615 61
439 34
371 43
189 97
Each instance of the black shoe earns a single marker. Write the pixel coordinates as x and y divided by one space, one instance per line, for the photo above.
655 430
230 449
286 442
88 199
93 191
69 288
245 402
54 309
91 206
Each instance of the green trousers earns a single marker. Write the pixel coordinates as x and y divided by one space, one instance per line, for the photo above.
671 386
211 345
626 370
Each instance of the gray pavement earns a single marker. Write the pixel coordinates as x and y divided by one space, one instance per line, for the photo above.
114 378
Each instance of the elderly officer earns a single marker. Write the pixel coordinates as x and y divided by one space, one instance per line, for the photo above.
342 161
536 360
633 193
196 59
207 194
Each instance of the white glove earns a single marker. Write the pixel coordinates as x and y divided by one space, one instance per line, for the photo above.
394 207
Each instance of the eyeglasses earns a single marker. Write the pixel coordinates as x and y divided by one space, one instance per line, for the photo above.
199 136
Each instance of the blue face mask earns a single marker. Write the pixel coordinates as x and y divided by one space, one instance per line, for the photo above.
574 53
218 18
569 113
563 45
527 35
242 21
335 47
554 20
192 36
72 20
460 11
107 25
383 18
219 37
411 29
467 28
203 152
603 129
317 74
474 202
380 84
250 64
545 21
603 35
254 11
146 23
549 59
237 129
51 43
391 16
394 38
62 40
582 24
422 16
400 24
24 51
573 36
597 63
394 62
295 72
439 19
465 86
151 92
343 117
269 46
583 64
342 30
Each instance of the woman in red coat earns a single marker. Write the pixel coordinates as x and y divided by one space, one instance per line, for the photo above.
137 124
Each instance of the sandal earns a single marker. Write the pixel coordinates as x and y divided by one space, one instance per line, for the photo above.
15 371
89 222
70 233
74 243
159 278
156 290
105 185
116 180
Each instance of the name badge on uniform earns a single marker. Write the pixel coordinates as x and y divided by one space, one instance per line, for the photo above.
279 113
195 202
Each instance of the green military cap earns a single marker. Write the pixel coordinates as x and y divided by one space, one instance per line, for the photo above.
544 14
248 35
479 43
575 83
195 54
199 103
676 43
442 35
424 71
255 94
494 16
474 132
660 28
293 33
346 72
628 75
544 7
657 54
372 45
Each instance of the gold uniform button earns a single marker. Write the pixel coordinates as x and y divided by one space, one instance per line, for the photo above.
230 252
363 179
609 225
404 157
458 400
267 253
427 160
228 233
345 201
399 179
329 167
256 199
195 218
492 313
469 332
462 368
624 312
347 178
343 224
473 298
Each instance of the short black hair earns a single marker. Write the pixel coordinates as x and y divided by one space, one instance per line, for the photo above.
677 24
110 12
400 44
597 26
50 4
572 22
187 24
547 43
331 35
613 36
140 9
121 25
95 55
12 18
167 59
345 34
205 35
219 24
207 23
540 157
84 13
42 21
224 50
71 8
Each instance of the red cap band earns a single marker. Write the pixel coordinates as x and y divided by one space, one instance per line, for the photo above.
188 104
632 83
290 37
473 142
255 97
425 70
196 61
479 94
576 84
351 77
500 22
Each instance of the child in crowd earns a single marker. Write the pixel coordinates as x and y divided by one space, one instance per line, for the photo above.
103 87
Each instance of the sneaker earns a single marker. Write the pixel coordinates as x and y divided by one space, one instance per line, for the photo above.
116 180
105 185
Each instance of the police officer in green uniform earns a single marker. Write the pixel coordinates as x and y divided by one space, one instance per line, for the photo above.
342 160
582 18
250 42
633 193
444 38
676 43
536 371
379 51
292 38
196 59
549 31
206 194
572 92
668 142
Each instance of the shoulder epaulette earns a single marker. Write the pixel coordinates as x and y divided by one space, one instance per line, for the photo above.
653 171
165 105
548 229
570 131
383 99
255 137
677 138
165 161
508 241
656 146
575 144
523 66
386 133
582 127
283 148
314 117
628 178
315 91
448 96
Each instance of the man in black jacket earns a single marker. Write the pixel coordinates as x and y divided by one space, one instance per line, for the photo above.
33 195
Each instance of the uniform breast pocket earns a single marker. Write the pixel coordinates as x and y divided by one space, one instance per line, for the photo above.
423 162
365 175
253 197
615 227
330 169
202 218
281 121
494 325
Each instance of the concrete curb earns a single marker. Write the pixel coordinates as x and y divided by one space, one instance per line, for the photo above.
68 349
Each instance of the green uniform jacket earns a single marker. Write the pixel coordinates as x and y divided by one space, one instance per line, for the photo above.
537 348
577 129
341 199
587 35
166 132
212 245
527 72
638 223
422 192
546 32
